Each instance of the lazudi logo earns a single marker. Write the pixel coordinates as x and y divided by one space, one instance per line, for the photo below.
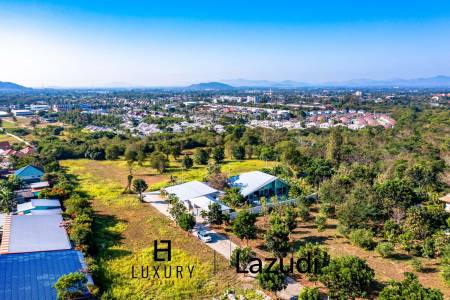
162 271
302 265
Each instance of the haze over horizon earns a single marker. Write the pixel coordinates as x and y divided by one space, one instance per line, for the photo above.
108 43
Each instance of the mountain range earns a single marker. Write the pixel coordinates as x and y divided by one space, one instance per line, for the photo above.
428 82
10 86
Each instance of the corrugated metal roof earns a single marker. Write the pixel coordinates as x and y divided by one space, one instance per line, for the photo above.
31 276
32 233
190 190
35 203
39 184
203 202
251 181
28 170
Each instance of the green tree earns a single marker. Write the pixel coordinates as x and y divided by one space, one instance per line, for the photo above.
316 253
186 221
113 152
6 199
139 186
244 225
159 161
307 293
187 162
215 215
409 288
272 280
218 154
71 286
245 256
233 197
277 237
347 277
335 141
201 156
238 152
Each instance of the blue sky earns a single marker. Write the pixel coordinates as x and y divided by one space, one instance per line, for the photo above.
161 43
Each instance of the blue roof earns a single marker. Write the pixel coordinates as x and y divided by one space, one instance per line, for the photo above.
27 171
32 275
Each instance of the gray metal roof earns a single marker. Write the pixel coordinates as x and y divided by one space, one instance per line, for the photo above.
35 203
251 181
32 233
190 190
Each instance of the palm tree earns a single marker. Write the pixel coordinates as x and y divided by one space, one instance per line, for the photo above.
6 199
139 186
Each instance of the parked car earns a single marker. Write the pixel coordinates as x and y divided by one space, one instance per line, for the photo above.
204 236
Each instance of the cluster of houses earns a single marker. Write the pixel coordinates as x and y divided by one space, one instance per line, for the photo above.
352 119
7 153
198 196
35 250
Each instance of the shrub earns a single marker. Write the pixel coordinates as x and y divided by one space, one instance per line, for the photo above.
409 288
347 277
307 293
362 238
385 249
428 249
321 222
273 280
315 252
245 255
71 285
327 209
186 221
303 212
417 265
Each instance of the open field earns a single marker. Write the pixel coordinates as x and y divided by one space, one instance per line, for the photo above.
117 171
125 230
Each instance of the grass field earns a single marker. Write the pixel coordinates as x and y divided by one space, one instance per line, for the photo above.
125 230
117 171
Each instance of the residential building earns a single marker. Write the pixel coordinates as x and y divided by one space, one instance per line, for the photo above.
22 112
256 184
40 207
29 174
196 196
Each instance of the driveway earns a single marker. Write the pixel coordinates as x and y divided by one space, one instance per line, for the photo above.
220 243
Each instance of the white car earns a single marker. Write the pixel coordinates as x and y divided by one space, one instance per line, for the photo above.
204 236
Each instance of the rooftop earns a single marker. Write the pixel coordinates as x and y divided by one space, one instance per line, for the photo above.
33 233
190 190
251 181
32 275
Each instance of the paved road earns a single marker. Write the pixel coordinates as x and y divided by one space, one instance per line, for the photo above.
220 243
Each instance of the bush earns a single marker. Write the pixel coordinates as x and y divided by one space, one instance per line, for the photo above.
245 255
428 249
186 221
315 252
417 265
321 222
303 212
273 280
362 238
445 274
347 277
409 288
71 285
327 209
307 293
385 249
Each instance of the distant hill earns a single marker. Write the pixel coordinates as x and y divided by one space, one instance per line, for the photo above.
10 86
266 83
210 86
429 82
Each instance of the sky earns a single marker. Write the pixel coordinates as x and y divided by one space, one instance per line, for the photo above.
88 43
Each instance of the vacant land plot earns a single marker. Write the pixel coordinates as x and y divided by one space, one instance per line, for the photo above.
125 230
117 171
